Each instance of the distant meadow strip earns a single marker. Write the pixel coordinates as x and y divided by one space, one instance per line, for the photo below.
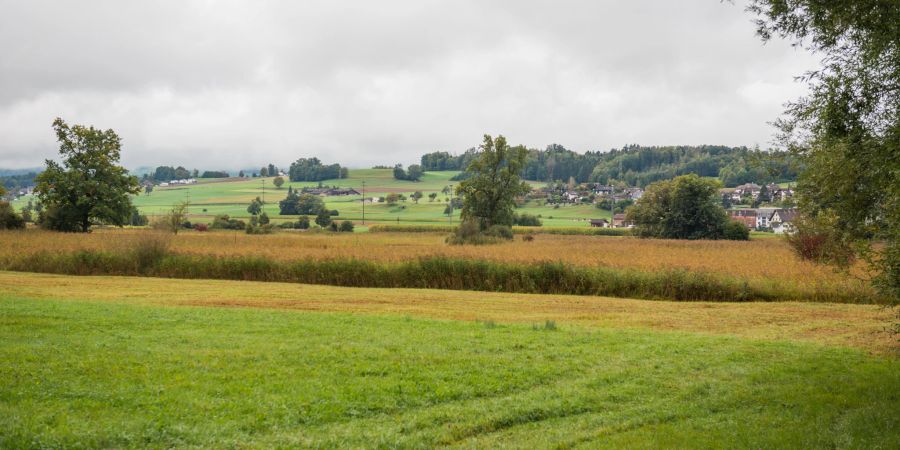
581 231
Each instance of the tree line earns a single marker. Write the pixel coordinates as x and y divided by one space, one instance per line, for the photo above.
311 169
637 165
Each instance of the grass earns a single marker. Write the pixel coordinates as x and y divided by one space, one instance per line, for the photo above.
133 371
766 263
858 326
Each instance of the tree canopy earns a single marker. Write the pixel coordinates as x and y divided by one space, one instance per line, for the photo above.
412 173
297 203
88 187
686 207
847 130
311 169
489 194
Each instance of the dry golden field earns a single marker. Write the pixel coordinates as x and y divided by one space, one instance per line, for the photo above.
767 259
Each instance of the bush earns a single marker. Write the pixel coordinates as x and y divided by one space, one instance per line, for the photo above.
528 237
201 227
346 226
261 229
820 240
469 233
223 222
9 220
302 223
527 220
323 219
499 231
333 226
736 231
334 212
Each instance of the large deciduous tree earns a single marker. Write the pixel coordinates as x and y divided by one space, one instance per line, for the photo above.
686 207
89 187
489 194
847 130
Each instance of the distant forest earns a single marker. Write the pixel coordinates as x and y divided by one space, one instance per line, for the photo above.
636 165
15 181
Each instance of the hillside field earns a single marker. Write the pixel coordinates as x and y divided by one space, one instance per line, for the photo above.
231 196
140 362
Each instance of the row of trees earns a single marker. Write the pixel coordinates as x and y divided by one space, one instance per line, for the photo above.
167 173
311 169
413 173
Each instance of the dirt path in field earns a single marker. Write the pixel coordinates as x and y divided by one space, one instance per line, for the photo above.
858 326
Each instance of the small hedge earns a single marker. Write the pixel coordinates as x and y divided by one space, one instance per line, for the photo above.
585 231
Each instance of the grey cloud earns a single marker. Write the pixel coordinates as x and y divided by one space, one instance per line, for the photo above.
228 84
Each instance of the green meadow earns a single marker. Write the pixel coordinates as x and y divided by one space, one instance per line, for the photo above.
231 196
125 374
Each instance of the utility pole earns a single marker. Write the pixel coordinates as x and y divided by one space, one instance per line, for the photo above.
364 201
451 204
263 181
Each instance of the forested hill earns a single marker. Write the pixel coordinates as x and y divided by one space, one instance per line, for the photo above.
639 166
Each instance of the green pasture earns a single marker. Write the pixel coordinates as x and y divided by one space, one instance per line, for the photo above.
78 374
211 197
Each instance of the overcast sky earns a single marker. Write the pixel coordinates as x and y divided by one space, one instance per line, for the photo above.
234 84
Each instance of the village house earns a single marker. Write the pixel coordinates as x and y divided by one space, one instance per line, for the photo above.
762 217
744 216
634 193
600 223
751 189
782 220
601 189
620 222
572 197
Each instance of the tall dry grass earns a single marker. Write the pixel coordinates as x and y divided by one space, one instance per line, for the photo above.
762 262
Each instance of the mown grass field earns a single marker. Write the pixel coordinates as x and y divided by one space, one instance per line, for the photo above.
767 263
141 362
211 197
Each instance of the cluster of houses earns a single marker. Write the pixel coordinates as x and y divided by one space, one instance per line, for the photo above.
178 182
587 193
753 190
778 220
618 221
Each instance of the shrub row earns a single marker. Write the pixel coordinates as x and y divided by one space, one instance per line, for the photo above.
585 231
432 273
